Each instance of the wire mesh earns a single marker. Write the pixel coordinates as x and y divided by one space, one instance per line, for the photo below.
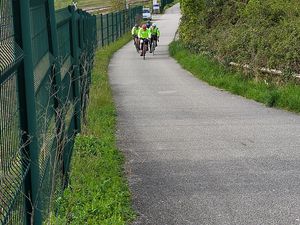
13 164
54 97
105 29
99 25
10 52
63 34
44 103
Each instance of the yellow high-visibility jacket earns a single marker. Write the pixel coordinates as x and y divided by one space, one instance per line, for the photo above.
144 33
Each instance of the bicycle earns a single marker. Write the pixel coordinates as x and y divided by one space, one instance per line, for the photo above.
153 46
137 44
144 44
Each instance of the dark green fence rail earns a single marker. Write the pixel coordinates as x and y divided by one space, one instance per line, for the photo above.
46 58
113 25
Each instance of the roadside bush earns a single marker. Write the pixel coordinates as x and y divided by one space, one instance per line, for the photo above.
262 33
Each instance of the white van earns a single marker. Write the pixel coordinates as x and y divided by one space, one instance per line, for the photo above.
147 14
156 8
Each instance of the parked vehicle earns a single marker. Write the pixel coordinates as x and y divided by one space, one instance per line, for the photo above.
147 14
156 8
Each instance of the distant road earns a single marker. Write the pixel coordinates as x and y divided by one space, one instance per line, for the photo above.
199 155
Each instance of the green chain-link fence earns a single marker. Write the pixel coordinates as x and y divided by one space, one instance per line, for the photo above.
46 59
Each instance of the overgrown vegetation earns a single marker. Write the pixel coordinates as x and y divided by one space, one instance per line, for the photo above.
285 95
98 192
261 33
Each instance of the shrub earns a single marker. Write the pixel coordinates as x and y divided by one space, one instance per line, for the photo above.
262 33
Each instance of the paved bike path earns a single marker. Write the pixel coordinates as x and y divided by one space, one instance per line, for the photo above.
199 155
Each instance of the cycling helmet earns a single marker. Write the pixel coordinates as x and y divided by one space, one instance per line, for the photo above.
144 26
154 25
148 24
136 25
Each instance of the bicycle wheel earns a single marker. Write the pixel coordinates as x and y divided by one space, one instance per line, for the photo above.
144 51
136 44
153 47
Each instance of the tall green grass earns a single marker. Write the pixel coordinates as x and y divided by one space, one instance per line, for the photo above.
94 3
98 192
82 3
285 96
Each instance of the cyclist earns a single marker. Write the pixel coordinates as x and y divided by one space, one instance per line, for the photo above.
148 24
135 32
144 34
155 33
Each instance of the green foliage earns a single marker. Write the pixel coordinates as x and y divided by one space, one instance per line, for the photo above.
286 96
118 4
262 33
82 3
98 192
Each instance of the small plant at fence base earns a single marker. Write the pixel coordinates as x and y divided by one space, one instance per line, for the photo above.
262 34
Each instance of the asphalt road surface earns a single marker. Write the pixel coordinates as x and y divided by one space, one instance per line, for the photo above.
199 155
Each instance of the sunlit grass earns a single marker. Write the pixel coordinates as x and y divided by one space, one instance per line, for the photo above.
286 96
89 3
98 193
82 3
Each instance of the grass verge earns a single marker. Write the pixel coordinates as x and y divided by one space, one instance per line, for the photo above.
285 96
82 3
94 3
98 192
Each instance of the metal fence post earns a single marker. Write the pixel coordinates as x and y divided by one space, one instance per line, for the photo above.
75 55
126 20
81 31
129 16
56 83
107 23
31 187
23 117
113 27
123 22
133 17
102 36
118 24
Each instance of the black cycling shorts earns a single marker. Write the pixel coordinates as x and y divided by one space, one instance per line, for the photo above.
153 37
